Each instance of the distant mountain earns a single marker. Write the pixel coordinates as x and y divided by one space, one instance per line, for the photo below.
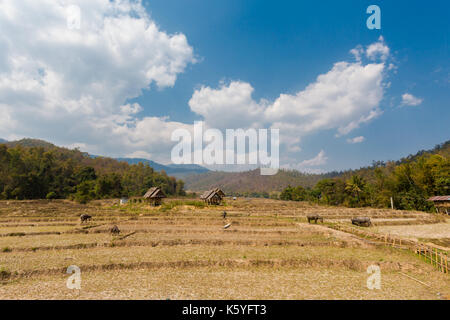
198 178
252 181
176 170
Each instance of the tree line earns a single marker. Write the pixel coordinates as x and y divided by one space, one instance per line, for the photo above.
59 173
409 182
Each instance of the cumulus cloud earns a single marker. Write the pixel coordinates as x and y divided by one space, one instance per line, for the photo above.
318 160
70 84
310 165
356 139
378 50
342 99
73 86
229 106
410 100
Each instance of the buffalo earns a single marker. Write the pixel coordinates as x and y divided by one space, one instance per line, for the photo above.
362 221
85 218
115 230
315 218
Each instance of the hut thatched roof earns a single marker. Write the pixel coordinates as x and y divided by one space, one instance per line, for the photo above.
211 193
439 198
154 192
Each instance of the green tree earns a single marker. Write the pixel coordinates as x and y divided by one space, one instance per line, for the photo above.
355 186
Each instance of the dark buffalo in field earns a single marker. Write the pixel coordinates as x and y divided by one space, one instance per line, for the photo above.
85 218
314 218
115 230
362 221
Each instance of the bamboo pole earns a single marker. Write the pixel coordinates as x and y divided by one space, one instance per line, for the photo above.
415 279
446 264
436 256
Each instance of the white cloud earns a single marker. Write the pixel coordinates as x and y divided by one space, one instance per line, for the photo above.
410 100
342 99
318 160
357 52
66 84
356 139
378 50
310 165
229 106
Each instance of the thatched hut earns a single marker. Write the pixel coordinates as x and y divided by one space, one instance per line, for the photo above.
441 203
154 196
213 196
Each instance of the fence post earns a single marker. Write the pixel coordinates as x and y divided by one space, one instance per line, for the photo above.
436 257
446 264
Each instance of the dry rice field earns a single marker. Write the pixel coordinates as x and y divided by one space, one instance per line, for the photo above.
183 252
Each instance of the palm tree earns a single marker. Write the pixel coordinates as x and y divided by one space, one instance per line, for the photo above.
355 186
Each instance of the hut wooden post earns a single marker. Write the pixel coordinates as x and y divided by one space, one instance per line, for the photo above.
154 196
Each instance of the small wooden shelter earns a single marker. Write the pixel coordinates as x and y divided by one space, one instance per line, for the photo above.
213 196
442 203
154 196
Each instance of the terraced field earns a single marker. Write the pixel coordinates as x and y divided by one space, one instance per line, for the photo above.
269 252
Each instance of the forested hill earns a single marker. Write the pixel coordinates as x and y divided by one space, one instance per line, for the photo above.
369 172
34 169
409 182
252 183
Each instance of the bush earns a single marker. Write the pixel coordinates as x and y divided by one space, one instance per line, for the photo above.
51 195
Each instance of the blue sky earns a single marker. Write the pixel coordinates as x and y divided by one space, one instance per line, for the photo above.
276 48
283 46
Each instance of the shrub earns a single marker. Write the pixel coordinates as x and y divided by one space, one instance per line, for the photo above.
51 195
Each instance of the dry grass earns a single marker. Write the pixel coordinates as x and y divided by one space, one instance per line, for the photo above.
223 283
437 230
183 252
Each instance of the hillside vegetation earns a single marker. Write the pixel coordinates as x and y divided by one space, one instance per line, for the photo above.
410 182
28 171
251 183
248 182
